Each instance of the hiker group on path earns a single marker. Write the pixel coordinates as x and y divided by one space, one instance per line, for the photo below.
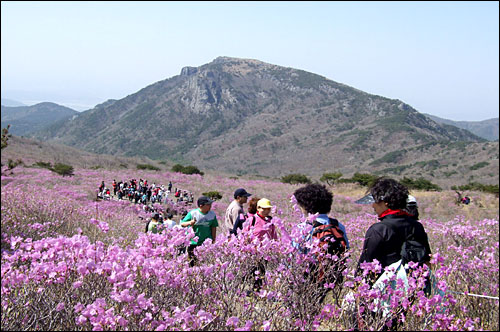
140 192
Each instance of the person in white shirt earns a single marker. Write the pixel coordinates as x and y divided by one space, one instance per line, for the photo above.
235 208
169 222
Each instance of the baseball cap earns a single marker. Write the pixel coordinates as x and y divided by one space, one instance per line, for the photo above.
411 200
368 199
204 200
241 192
264 203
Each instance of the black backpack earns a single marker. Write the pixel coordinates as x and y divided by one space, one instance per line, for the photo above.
413 251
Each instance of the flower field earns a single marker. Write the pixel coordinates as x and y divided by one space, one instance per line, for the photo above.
70 262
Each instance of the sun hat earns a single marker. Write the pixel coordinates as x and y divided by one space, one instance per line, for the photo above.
368 199
264 203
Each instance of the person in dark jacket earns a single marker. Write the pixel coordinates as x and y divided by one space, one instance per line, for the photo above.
383 240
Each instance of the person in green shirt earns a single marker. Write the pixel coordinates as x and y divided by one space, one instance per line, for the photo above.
154 225
204 223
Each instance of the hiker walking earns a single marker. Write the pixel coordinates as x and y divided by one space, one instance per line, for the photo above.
204 223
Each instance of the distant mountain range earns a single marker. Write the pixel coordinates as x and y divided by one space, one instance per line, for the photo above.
10 102
487 129
25 120
245 116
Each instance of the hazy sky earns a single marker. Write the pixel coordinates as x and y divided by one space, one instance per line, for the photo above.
439 57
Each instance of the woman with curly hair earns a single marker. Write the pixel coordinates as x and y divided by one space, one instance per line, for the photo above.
384 239
317 199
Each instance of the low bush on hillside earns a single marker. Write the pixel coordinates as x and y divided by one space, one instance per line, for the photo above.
59 168
215 195
5 136
330 178
63 169
148 167
479 165
178 168
295 179
420 184
489 188
363 179
42 164
192 170
14 163
391 157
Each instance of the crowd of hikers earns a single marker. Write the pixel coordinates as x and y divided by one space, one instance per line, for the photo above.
397 239
140 192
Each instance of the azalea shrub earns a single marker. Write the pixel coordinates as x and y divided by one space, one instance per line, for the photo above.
70 262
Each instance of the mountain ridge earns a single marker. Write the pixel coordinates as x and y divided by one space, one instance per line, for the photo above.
487 129
25 120
245 116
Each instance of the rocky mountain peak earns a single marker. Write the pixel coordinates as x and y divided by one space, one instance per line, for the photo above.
188 71
223 113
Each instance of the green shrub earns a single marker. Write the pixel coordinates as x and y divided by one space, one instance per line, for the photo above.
330 178
215 195
479 165
178 168
391 157
295 179
42 164
420 183
192 170
63 169
12 164
147 166
5 136
364 179
489 188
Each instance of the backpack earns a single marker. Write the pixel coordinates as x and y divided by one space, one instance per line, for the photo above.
330 237
413 251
